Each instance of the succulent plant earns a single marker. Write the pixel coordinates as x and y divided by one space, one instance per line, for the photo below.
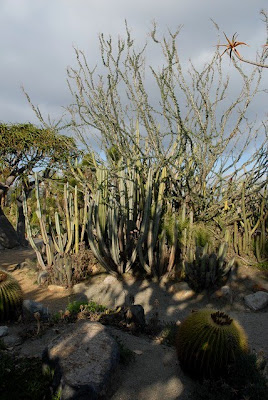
207 271
208 341
10 296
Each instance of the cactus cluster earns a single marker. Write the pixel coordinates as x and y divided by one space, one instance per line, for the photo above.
124 220
64 235
208 341
11 296
134 221
207 271
250 233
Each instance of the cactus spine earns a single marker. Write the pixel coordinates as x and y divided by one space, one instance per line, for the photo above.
208 341
11 296
207 271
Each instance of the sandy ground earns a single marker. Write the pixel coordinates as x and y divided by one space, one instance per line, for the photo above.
155 373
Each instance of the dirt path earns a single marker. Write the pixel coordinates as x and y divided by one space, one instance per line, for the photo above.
155 373
55 300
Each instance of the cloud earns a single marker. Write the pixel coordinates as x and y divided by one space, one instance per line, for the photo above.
37 39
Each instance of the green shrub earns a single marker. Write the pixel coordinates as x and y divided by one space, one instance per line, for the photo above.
91 307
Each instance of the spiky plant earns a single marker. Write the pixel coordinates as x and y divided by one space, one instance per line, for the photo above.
10 296
206 271
208 341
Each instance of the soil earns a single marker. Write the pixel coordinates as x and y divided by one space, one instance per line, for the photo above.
11 258
155 373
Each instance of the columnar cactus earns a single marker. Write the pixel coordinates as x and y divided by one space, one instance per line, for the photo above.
208 341
10 296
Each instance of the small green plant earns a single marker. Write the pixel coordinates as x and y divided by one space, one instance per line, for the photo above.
263 266
208 342
56 317
168 334
11 296
91 307
57 395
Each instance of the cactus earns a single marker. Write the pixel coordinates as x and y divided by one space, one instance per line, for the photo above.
10 296
208 341
207 271
124 221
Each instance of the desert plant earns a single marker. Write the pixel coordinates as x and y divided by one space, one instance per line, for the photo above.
64 235
207 271
91 307
10 296
178 155
208 341
233 43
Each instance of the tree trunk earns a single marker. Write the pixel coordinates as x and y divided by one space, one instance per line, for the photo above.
21 223
8 235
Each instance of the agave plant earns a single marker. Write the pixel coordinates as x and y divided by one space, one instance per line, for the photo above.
10 296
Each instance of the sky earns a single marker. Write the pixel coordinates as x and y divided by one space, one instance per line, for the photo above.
37 39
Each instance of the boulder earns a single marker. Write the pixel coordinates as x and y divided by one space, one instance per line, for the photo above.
257 301
12 340
83 358
225 293
8 235
181 291
56 288
3 331
30 307
135 316
110 280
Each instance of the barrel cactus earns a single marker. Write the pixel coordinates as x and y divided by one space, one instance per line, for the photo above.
10 296
208 341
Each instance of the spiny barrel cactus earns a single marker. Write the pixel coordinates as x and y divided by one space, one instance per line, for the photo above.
10 296
208 341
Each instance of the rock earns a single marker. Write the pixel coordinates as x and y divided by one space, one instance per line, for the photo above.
181 291
56 288
42 277
30 307
225 292
84 357
3 331
12 340
135 316
110 280
257 301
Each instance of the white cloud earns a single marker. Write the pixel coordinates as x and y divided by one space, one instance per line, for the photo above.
36 39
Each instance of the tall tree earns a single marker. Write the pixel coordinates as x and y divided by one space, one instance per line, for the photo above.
24 147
